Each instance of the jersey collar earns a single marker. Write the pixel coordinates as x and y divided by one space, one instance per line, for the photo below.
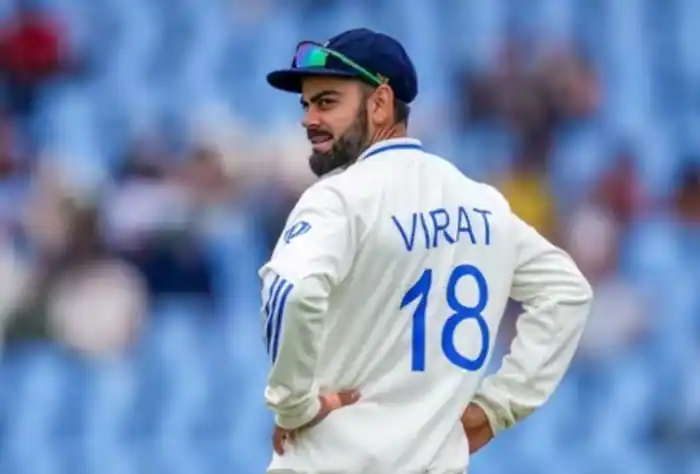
391 144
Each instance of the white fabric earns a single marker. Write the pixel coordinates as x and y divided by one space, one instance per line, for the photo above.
332 297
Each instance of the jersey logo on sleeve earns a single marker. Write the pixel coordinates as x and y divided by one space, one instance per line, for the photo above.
298 229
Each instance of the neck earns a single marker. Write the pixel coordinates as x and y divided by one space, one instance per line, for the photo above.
395 131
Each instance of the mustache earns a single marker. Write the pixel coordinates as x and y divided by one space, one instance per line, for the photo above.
312 133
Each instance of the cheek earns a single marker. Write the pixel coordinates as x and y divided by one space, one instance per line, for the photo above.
339 123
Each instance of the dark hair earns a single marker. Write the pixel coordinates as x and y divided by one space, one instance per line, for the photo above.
402 111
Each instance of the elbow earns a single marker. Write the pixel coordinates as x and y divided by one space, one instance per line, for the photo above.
276 396
582 296
579 289
576 291
585 290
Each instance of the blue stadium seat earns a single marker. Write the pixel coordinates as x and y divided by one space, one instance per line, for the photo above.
70 137
33 408
492 458
111 459
189 399
7 10
553 19
75 25
626 69
112 397
651 252
39 458
236 254
476 30
581 154
686 36
482 150
658 157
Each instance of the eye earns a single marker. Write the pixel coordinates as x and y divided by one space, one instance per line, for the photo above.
324 104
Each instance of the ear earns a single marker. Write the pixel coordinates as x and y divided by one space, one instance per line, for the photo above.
381 104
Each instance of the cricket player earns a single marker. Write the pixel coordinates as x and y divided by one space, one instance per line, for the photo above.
385 292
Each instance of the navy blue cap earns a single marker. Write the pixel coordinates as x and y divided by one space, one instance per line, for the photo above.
378 53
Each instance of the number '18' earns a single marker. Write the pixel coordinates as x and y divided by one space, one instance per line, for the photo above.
421 291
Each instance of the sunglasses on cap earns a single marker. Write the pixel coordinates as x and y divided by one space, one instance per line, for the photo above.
310 54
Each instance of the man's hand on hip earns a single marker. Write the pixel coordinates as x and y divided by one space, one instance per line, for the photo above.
476 427
329 403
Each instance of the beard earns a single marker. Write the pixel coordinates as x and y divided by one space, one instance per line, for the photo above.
345 150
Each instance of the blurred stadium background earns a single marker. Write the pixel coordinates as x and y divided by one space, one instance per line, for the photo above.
146 171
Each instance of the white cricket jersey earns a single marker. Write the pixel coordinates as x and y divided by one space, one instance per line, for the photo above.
392 278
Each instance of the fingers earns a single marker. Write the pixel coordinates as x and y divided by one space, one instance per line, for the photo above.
334 401
476 427
478 439
279 437
474 416
329 403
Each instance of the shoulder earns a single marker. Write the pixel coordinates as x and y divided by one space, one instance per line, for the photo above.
483 191
323 204
327 193
341 192
494 195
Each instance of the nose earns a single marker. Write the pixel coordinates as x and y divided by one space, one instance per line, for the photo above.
311 118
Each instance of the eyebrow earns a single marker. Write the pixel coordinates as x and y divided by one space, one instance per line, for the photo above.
316 97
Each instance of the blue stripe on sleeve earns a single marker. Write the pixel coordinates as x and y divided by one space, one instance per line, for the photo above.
278 319
269 297
271 313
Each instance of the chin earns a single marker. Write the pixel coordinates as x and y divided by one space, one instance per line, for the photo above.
321 163
326 150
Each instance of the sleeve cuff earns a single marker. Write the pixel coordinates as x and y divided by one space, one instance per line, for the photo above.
300 416
497 421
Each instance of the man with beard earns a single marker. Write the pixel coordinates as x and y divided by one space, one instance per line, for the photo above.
385 292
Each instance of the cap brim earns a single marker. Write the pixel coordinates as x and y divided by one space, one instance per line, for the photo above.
289 80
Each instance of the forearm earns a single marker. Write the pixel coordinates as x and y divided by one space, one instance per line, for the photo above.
293 341
547 337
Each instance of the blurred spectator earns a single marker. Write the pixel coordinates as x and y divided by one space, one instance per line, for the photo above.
32 50
209 186
570 83
481 93
533 95
8 146
526 110
14 272
478 99
14 176
143 200
286 177
618 318
97 301
150 218
76 290
274 212
619 189
687 199
526 187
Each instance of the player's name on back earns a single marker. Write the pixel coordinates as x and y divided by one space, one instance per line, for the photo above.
430 229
